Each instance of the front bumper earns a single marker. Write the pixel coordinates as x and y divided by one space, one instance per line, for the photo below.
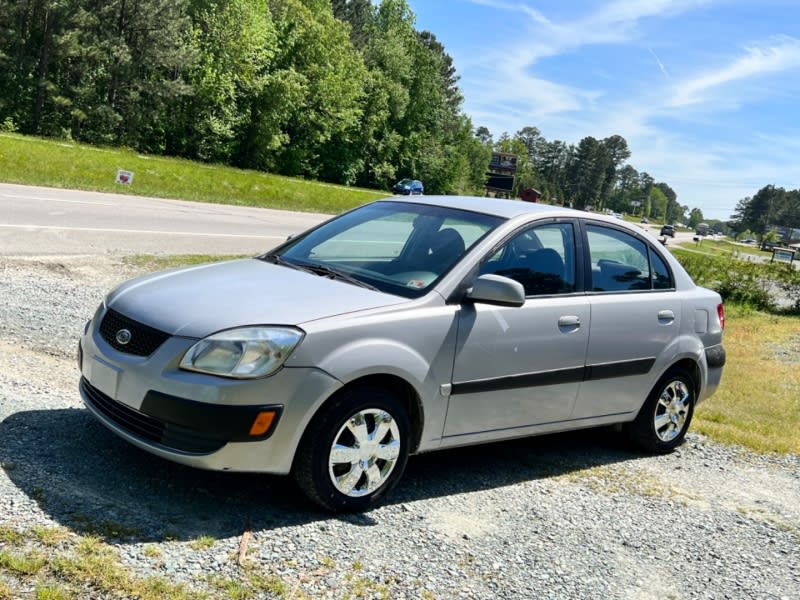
196 419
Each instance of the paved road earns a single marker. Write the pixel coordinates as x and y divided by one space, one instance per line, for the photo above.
48 221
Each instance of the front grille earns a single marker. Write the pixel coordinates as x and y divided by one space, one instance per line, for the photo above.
169 435
144 340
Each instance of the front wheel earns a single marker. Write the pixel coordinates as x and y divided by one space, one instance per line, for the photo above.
665 416
355 450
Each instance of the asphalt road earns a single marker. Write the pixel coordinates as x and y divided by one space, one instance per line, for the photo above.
48 221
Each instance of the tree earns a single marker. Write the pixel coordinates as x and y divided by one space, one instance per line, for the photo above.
588 173
695 217
657 202
484 136
358 14
236 43
756 213
311 97
532 139
616 152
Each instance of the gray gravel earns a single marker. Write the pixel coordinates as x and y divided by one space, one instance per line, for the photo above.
567 516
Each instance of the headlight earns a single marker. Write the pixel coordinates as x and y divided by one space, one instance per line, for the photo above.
244 353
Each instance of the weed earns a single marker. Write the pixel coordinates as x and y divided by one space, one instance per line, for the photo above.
151 551
27 563
10 536
202 543
50 536
49 592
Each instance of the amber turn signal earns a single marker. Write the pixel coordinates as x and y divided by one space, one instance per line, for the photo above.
262 422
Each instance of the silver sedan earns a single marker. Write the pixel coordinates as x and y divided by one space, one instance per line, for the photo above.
401 327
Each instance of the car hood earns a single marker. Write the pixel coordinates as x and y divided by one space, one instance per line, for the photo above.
198 301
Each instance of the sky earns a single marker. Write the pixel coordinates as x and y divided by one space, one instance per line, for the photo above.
706 92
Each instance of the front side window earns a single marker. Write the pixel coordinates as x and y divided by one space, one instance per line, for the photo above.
395 247
541 258
620 262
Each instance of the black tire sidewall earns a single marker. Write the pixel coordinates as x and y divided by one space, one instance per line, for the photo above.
643 431
322 433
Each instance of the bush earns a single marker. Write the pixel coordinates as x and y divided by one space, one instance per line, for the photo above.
753 284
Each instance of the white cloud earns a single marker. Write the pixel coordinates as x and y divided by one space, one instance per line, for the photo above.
670 122
782 54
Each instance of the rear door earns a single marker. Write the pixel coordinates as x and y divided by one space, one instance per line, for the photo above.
635 319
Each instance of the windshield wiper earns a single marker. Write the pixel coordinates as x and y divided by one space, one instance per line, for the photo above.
277 259
326 271
322 270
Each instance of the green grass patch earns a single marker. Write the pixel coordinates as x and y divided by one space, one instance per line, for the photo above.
152 262
202 543
35 161
22 563
758 402
85 566
723 248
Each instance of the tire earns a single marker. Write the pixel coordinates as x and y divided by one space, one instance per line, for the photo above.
341 464
665 416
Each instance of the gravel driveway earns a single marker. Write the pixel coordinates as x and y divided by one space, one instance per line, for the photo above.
567 516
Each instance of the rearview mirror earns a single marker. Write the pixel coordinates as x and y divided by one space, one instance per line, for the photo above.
497 290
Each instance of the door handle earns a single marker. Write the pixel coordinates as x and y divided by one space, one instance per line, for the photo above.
569 321
666 315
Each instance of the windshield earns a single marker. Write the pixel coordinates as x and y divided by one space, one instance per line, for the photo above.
396 247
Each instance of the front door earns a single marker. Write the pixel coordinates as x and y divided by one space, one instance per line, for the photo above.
518 367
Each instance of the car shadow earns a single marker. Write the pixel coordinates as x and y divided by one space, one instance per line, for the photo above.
87 479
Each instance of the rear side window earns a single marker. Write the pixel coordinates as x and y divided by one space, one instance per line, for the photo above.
619 261
662 280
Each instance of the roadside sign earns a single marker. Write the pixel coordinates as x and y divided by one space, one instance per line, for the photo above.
782 255
124 177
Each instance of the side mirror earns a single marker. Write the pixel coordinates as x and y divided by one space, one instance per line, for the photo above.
496 290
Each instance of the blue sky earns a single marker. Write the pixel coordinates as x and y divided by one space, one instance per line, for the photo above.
706 92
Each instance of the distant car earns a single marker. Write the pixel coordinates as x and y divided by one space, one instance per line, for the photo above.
748 241
644 220
668 230
401 327
409 187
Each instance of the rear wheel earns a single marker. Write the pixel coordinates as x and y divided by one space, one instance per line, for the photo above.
355 450
665 416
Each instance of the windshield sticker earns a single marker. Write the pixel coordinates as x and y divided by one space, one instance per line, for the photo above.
416 283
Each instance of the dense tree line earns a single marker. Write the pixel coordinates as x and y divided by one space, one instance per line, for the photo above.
346 91
592 174
342 90
770 209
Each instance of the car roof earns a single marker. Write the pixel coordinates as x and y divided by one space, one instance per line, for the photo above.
490 206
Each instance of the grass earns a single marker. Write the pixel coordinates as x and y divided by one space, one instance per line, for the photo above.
758 402
722 248
35 161
151 262
66 565
608 479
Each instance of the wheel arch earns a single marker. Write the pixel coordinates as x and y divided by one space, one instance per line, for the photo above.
397 386
690 366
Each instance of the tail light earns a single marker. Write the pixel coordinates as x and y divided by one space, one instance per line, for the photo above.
721 315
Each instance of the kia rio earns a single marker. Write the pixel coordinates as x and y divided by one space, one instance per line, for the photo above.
402 327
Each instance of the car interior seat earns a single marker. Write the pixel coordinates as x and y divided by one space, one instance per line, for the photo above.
546 272
446 247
